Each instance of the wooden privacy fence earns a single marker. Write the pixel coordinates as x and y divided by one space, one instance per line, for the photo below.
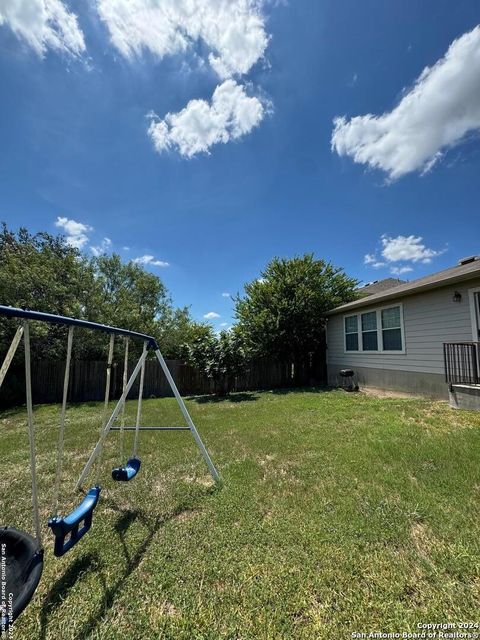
87 380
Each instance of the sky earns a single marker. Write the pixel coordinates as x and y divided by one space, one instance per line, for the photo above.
201 138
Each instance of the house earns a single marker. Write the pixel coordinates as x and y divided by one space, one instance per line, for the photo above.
421 336
377 286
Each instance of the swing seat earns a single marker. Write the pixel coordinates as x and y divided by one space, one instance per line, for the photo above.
128 471
70 525
23 569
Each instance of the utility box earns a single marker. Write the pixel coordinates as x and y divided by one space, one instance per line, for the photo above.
347 380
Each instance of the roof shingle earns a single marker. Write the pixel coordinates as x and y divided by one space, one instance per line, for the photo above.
439 279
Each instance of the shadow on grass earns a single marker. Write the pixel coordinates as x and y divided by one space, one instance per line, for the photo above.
66 583
12 412
126 519
230 397
133 562
91 404
90 562
288 390
251 396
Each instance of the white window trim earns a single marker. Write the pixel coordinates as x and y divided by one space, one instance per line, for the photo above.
378 311
473 312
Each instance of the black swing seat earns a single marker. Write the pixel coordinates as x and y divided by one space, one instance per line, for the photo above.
62 527
128 471
21 569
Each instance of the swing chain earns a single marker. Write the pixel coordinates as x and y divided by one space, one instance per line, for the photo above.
105 405
61 433
31 432
125 381
140 397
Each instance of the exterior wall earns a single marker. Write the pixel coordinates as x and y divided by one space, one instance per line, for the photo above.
430 319
431 385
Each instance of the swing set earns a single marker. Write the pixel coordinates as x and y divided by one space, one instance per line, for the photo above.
21 554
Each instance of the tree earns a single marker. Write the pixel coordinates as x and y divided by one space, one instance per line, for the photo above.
44 273
221 357
124 295
175 329
282 314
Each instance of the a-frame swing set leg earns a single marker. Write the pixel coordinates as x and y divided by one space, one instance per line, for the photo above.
10 353
121 402
186 415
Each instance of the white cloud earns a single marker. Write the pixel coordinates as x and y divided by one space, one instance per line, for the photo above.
76 232
229 34
409 248
211 315
229 115
224 324
401 249
126 248
371 259
437 113
225 295
43 25
398 271
150 260
232 30
102 248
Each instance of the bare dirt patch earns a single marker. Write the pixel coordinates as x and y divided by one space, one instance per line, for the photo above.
186 515
424 541
203 481
375 392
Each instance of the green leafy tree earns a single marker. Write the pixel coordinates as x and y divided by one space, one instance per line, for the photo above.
44 273
282 313
176 330
124 295
221 357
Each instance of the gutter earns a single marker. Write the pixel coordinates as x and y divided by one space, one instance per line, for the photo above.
396 292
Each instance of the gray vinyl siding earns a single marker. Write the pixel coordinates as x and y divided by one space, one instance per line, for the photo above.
430 319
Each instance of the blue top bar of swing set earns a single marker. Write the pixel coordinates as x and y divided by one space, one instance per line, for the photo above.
12 312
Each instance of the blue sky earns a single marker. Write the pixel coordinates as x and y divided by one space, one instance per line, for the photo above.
204 140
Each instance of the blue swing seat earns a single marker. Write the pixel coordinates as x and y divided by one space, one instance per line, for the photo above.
127 472
62 527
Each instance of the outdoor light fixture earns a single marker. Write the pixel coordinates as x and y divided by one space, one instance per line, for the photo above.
457 296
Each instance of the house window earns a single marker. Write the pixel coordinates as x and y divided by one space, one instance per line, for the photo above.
375 331
351 333
391 329
369 331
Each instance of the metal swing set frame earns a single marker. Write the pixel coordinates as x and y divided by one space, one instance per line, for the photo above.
70 529
151 345
25 552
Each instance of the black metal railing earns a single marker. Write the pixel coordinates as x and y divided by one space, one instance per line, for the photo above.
462 360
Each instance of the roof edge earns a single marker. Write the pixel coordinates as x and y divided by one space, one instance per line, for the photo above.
393 293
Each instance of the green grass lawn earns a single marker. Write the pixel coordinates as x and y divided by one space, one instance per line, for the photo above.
339 513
